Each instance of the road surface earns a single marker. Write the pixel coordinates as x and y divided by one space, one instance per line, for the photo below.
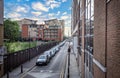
53 69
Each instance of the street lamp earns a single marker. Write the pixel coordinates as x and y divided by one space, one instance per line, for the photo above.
69 50
29 44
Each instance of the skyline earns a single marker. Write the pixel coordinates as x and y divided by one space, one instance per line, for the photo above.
39 10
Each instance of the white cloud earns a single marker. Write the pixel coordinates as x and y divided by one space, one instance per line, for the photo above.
64 0
51 14
64 17
64 13
67 31
53 4
13 15
21 9
39 6
69 8
58 13
68 22
36 13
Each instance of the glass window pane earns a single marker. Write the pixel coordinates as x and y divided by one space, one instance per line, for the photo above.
89 11
92 7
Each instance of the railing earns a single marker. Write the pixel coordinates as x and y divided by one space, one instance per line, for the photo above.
13 60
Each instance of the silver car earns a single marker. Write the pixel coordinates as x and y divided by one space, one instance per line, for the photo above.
42 60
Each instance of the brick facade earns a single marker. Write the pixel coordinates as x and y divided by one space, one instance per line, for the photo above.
1 35
113 39
52 34
106 43
25 33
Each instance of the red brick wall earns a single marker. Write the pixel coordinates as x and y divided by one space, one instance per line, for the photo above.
113 39
97 72
40 33
99 31
1 35
59 38
24 31
59 34
99 36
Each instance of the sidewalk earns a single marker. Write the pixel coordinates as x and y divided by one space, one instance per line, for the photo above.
16 73
74 71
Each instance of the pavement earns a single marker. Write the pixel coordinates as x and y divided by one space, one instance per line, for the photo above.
73 67
74 70
27 66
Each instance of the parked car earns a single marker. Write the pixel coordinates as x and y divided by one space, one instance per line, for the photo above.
52 52
57 49
42 60
48 53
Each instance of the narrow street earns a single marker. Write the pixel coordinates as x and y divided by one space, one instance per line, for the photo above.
53 69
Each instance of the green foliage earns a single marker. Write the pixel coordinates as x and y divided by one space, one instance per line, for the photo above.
11 30
17 46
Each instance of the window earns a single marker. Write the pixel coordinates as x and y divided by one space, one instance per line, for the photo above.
89 27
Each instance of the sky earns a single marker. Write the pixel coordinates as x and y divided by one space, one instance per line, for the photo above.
39 10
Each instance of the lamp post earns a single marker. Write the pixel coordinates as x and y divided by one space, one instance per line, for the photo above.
69 50
7 66
29 45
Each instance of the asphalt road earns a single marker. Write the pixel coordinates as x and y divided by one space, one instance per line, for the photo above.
53 69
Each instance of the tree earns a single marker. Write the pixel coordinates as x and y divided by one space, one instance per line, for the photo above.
11 30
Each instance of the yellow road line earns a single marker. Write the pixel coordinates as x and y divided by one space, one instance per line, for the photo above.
63 68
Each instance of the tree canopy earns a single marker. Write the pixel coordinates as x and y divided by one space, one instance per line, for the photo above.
11 30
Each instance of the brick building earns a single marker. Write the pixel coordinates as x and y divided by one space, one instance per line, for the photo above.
25 21
32 31
54 30
1 38
96 37
53 33
28 28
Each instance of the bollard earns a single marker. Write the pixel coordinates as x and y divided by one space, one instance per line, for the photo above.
7 74
21 68
68 75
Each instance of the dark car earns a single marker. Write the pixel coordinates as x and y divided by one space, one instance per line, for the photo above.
42 60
